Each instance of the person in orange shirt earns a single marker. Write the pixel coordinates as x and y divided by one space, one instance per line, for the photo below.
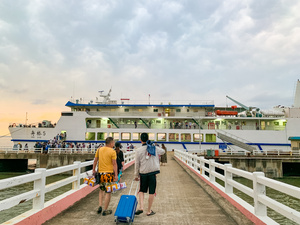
107 167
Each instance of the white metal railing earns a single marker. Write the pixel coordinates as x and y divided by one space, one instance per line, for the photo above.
258 192
40 188
220 152
279 152
268 152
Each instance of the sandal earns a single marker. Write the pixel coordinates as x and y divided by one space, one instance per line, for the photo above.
151 213
99 210
106 212
138 212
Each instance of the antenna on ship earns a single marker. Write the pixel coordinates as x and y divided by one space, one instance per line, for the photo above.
106 98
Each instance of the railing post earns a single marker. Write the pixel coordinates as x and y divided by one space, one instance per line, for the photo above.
228 176
76 173
211 170
202 165
38 202
259 189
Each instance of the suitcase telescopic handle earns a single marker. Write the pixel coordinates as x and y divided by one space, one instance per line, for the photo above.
136 189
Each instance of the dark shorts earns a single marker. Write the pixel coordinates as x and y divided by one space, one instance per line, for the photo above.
148 182
105 180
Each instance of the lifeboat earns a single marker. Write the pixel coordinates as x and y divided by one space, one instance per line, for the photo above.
226 113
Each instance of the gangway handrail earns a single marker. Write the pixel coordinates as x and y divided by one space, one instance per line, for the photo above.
40 187
233 136
258 192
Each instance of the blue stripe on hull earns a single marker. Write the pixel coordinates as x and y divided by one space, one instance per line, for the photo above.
160 142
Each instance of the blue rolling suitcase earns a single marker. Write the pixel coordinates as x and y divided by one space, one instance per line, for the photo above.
126 208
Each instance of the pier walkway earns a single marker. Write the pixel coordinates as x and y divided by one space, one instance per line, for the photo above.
191 190
180 200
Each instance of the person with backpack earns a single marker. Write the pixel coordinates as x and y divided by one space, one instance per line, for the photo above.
146 168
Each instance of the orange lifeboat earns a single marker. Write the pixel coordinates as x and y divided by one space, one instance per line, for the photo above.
226 113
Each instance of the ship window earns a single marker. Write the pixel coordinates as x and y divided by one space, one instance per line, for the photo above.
101 136
126 110
98 123
151 136
135 136
158 121
155 110
187 110
66 114
115 136
178 110
161 137
186 137
210 138
173 137
196 137
90 136
126 136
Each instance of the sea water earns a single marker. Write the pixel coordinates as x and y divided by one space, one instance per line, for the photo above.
8 214
276 195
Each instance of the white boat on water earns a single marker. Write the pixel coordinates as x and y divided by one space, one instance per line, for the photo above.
179 125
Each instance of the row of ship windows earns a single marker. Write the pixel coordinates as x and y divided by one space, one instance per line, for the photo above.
125 136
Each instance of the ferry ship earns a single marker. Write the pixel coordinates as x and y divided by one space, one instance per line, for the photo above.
179 125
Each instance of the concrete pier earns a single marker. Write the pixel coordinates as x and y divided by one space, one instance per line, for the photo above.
180 200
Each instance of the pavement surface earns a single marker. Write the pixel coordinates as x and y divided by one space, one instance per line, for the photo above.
180 200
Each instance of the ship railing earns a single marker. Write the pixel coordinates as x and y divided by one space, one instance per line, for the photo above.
40 186
262 202
152 102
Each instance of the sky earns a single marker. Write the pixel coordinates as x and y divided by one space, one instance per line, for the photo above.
52 51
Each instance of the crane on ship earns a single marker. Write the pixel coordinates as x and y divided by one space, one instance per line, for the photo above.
250 111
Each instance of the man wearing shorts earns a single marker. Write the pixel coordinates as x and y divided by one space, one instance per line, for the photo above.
146 168
107 167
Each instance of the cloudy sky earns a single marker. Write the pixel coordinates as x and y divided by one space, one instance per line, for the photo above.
177 50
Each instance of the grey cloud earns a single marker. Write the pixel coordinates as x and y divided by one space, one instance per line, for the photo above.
196 49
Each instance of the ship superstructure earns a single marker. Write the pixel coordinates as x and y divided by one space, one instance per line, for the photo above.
178 124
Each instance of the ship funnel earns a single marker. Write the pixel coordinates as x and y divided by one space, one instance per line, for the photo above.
297 95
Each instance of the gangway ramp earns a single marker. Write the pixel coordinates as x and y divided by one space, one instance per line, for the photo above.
235 141
179 200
